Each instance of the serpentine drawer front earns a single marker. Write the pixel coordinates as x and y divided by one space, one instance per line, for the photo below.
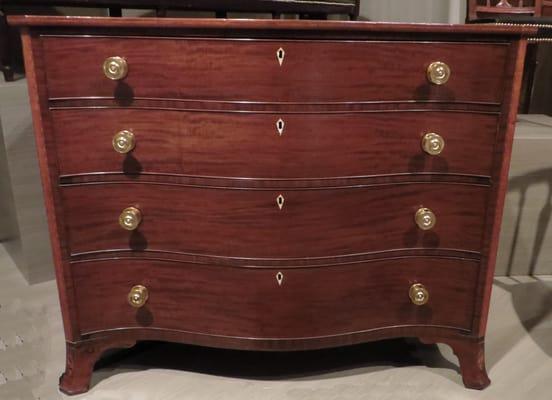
262 303
273 70
286 145
269 223
272 185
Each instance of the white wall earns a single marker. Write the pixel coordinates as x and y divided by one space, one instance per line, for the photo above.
443 11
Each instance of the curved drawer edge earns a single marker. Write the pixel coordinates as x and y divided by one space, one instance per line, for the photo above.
252 106
251 183
244 262
282 344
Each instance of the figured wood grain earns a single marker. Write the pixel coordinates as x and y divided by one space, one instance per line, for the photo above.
244 223
310 146
334 301
249 70
207 64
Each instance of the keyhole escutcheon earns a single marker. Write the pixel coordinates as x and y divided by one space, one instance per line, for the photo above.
280 201
280 278
280 54
280 125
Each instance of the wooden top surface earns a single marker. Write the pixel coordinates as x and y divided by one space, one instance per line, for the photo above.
266 24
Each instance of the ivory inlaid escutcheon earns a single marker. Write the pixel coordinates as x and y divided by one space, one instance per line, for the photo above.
280 54
280 201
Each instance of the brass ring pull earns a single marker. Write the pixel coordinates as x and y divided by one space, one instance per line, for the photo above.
425 219
138 296
433 144
130 218
115 68
418 294
438 73
123 142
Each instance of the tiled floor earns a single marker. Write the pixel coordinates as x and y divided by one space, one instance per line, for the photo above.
519 358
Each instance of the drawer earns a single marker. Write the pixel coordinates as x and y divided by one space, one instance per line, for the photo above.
249 70
250 223
253 145
304 303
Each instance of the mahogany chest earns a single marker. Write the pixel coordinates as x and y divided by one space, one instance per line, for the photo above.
272 185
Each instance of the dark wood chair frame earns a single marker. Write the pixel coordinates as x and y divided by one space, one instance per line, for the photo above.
478 10
490 8
9 38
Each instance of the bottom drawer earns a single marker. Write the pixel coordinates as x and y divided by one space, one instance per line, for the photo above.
274 303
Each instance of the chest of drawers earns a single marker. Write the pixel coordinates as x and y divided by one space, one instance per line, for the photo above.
272 185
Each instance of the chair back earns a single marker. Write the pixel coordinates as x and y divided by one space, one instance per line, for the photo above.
547 8
492 8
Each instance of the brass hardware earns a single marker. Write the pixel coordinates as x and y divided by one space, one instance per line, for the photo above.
433 144
425 219
138 296
280 125
130 218
280 54
123 142
280 278
438 73
115 68
418 294
280 201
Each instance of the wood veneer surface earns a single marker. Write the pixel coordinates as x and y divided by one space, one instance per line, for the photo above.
194 219
312 145
248 70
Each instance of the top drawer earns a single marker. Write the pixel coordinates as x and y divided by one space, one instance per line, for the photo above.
274 71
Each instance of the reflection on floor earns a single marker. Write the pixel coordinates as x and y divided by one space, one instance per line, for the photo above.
519 358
